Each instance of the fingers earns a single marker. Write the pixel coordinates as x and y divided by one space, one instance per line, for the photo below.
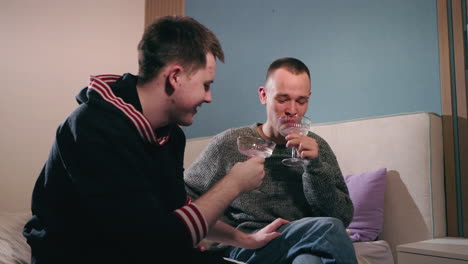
259 160
200 246
258 164
249 174
276 224
270 232
272 236
307 147
280 221
296 140
308 154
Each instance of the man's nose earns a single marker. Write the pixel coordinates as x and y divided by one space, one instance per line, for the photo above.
208 98
292 109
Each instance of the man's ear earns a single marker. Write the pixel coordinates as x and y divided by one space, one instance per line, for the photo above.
262 94
173 79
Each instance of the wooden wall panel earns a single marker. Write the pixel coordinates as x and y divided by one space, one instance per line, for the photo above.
462 106
462 125
454 113
447 118
158 8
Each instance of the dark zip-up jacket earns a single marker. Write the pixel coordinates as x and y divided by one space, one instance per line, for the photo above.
112 189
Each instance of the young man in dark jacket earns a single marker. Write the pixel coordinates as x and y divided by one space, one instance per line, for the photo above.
112 189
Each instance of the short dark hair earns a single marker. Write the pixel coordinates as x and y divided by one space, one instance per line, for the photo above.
292 65
179 39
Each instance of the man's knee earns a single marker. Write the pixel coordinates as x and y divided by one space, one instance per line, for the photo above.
331 221
322 223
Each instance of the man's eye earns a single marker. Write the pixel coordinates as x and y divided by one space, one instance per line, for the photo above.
302 101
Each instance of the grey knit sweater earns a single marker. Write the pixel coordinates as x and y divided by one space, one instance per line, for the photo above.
316 189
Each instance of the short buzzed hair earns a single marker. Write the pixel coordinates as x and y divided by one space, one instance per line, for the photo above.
292 65
179 39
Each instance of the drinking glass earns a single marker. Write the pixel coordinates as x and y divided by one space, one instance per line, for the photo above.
255 147
293 125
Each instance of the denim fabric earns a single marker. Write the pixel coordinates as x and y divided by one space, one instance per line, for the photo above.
325 237
307 259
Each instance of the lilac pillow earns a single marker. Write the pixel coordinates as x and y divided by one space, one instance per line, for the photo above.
367 193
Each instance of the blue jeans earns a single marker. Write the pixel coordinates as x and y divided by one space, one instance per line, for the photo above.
324 237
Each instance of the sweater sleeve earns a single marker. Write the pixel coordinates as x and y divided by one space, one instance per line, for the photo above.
324 185
211 165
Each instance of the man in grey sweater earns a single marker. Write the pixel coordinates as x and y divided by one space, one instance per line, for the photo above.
313 196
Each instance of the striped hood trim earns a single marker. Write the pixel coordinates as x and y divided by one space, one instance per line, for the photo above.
101 84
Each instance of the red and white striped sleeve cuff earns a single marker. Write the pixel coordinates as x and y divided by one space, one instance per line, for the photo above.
194 220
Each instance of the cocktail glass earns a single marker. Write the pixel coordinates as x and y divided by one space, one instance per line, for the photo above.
255 147
293 125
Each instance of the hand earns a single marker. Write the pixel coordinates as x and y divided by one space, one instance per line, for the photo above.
306 147
264 235
249 174
200 246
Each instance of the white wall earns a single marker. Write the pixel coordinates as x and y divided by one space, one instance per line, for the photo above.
48 49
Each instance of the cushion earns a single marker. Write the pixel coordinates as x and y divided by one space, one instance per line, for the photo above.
367 193
13 245
374 252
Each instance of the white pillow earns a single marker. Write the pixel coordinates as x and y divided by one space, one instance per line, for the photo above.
13 245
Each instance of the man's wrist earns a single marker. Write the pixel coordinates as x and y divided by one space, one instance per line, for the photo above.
228 185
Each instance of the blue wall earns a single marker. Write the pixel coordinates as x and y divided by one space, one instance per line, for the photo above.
366 57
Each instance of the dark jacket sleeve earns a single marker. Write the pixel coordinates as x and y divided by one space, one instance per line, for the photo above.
116 201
